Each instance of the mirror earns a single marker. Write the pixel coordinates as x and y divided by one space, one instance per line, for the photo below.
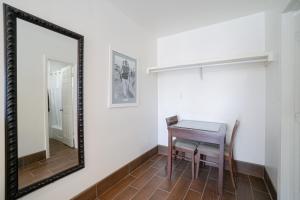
44 130
46 113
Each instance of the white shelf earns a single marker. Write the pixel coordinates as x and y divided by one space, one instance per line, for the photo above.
256 58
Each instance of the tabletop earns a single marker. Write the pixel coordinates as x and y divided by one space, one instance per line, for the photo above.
199 125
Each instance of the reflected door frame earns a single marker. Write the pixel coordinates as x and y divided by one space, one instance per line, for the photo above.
46 69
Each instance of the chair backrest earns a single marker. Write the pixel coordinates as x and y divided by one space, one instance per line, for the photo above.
172 120
233 135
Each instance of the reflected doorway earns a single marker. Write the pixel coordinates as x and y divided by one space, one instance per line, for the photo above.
60 105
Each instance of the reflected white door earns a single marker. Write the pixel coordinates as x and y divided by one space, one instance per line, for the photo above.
67 106
60 97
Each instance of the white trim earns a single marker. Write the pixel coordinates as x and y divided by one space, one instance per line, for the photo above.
46 122
75 102
264 57
110 105
287 179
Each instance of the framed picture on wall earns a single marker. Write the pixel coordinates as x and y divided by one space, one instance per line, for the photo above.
122 80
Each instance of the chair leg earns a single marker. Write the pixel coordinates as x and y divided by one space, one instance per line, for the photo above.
203 158
231 173
197 164
182 155
193 166
176 154
235 173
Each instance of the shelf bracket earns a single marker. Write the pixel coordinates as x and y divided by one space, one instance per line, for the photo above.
201 72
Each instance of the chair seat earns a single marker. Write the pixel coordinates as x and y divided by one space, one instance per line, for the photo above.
188 145
211 149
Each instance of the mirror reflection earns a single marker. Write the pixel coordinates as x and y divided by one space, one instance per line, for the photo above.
46 90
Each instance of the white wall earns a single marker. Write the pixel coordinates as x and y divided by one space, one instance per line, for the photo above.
32 108
225 93
124 132
273 97
273 92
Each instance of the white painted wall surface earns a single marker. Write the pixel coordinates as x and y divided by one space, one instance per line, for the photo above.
274 93
32 94
124 132
273 97
226 92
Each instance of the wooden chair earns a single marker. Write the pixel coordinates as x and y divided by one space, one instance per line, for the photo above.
183 146
206 149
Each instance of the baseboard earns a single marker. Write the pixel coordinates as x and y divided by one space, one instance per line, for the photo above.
26 160
242 167
270 185
97 189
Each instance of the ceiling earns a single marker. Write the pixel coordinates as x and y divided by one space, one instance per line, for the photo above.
166 17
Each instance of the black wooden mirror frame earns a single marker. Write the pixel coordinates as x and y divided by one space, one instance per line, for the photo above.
11 15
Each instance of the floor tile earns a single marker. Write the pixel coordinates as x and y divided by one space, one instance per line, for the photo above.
261 195
228 185
243 190
167 184
161 163
143 179
148 189
210 194
180 189
156 157
182 185
159 195
258 184
193 195
127 194
117 188
141 169
228 196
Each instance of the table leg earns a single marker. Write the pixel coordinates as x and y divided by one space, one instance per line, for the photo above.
221 169
170 147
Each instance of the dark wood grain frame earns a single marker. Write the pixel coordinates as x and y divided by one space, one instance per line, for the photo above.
11 15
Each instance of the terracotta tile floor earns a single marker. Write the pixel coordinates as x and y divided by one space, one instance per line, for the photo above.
61 157
149 181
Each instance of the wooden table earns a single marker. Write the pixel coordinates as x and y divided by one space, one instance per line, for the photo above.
211 132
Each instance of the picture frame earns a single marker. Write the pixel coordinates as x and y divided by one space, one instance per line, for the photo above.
123 80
